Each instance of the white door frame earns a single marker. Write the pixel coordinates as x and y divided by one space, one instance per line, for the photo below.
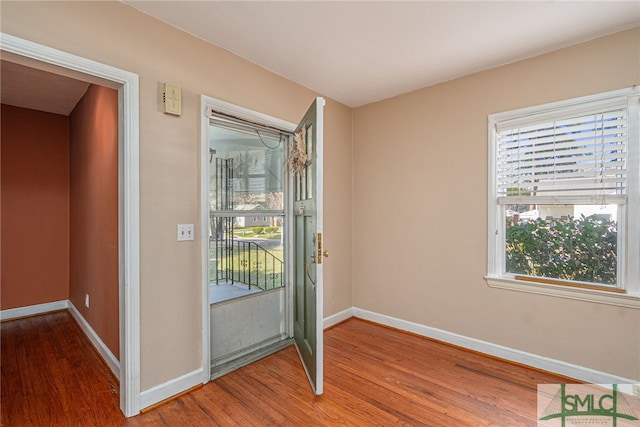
46 58
206 103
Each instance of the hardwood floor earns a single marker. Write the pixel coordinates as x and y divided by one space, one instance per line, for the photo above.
374 376
52 376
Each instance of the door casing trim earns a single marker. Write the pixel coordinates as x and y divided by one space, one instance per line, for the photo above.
46 58
207 103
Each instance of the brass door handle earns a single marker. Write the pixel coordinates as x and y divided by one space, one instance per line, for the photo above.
325 254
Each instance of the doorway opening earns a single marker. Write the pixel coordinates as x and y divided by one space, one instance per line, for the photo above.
43 58
261 204
247 231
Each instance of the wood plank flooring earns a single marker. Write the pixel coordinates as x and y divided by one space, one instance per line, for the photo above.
374 376
52 376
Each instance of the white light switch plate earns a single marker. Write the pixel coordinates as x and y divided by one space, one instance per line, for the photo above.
185 232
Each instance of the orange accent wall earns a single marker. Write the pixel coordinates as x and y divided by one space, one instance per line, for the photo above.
35 207
93 128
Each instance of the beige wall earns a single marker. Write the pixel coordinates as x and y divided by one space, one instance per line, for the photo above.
420 210
117 35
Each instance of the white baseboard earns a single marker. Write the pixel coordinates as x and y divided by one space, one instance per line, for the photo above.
334 319
170 388
547 364
97 342
32 310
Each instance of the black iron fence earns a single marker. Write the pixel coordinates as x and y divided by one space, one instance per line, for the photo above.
246 262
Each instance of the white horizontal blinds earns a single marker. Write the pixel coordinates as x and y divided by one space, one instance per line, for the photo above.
246 127
580 158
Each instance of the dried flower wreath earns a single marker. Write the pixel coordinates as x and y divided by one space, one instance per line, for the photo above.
297 159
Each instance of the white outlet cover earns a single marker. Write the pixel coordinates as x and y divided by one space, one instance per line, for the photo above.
185 232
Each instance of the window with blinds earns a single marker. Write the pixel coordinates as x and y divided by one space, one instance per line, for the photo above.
564 195
580 158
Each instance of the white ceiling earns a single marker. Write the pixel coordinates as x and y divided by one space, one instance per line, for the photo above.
359 52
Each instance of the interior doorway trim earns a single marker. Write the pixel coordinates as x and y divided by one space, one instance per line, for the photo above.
207 104
127 84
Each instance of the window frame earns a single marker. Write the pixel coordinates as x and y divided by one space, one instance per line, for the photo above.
628 287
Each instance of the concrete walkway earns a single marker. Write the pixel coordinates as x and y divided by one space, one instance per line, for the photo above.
227 290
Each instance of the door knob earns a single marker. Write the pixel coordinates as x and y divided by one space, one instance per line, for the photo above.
325 254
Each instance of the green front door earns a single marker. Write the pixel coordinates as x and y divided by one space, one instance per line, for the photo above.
307 241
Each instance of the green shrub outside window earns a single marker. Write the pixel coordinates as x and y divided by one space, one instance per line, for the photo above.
578 249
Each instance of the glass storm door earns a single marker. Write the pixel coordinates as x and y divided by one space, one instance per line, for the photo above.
307 243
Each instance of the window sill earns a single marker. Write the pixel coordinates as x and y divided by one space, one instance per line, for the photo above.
590 295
